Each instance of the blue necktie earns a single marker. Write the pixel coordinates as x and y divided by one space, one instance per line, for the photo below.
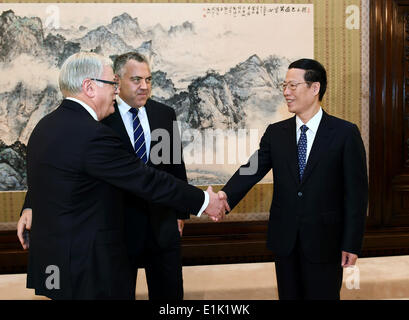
139 137
302 150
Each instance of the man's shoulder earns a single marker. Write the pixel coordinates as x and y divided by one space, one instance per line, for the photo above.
70 122
150 103
339 122
281 124
67 112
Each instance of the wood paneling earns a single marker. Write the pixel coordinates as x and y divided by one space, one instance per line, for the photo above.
389 115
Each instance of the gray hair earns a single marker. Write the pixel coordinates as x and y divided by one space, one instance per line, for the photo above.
80 66
122 59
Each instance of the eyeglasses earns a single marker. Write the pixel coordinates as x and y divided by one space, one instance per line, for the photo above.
112 83
292 85
138 80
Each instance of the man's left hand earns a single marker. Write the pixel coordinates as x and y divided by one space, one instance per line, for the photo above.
181 224
24 227
348 259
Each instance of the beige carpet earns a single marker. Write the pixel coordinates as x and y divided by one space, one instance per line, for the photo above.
374 279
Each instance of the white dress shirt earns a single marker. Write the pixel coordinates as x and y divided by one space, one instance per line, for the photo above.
127 119
312 125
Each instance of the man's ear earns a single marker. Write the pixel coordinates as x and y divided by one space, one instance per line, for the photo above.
88 88
316 86
117 79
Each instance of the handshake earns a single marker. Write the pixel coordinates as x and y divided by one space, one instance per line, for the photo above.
217 207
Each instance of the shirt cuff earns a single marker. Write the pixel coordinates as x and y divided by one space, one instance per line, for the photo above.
205 204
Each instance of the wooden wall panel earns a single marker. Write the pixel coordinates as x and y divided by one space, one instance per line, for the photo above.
389 115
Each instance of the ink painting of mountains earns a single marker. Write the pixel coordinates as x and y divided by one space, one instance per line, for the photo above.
219 66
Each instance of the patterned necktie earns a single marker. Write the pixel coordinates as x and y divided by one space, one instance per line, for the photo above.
139 137
302 150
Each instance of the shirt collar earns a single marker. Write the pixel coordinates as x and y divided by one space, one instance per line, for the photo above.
124 107
313 123
87 107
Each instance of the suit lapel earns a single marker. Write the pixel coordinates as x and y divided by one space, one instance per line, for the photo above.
153 119
320 145
290 147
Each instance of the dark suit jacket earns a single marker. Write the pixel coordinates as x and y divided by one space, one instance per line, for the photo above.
139 213
76 168
328 207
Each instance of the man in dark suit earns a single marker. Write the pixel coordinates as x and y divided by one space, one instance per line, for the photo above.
76 168
152 231
318 210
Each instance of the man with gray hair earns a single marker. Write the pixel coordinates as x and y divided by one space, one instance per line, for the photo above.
76 168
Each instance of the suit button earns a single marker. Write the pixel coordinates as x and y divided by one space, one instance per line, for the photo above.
300 194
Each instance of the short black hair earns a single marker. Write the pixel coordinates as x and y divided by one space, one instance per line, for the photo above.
314 72
122 59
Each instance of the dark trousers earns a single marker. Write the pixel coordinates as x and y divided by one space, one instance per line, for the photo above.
299 279
163 269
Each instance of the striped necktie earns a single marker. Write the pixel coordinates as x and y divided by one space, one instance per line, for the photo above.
302 150
139 137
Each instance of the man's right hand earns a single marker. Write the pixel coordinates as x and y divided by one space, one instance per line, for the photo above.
24 226
222 196
217 207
